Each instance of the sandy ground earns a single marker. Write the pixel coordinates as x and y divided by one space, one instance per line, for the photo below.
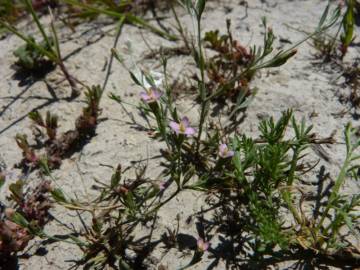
311 90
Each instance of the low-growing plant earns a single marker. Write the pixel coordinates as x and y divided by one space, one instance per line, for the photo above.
59 147
336 46
23 218
260 182
228 73
50 123
260 188
253 186
118 210
33 55
31 59
231 58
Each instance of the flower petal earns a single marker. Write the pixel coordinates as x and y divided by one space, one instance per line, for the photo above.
175 127
185 121
230 153
144 96
222 148
156 94
190 131
202 245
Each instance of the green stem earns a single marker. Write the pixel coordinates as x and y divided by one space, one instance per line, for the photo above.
112 55
156 208
37 21
293 166
338 183
181 29
129 18
204 100
287 198
48 54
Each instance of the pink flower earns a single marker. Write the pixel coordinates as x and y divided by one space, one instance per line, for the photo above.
151 95
183 127
224 151
202 245
162 186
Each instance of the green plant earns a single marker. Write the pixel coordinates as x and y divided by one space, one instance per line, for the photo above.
29 58
123 11
262 182
333 46
31 55
254 180
232 60
343 207
253 186
120 207
50 123
262 177
229 72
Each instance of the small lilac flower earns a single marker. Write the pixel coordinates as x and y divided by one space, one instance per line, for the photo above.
151 95
162 186
224 151
183 127
202 245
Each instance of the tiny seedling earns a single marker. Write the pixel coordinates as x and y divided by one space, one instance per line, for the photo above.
30 59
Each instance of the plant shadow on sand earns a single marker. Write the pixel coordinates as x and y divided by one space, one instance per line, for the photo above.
233 248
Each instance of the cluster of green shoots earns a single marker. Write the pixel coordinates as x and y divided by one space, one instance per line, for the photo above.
253 186
336 45
332 47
